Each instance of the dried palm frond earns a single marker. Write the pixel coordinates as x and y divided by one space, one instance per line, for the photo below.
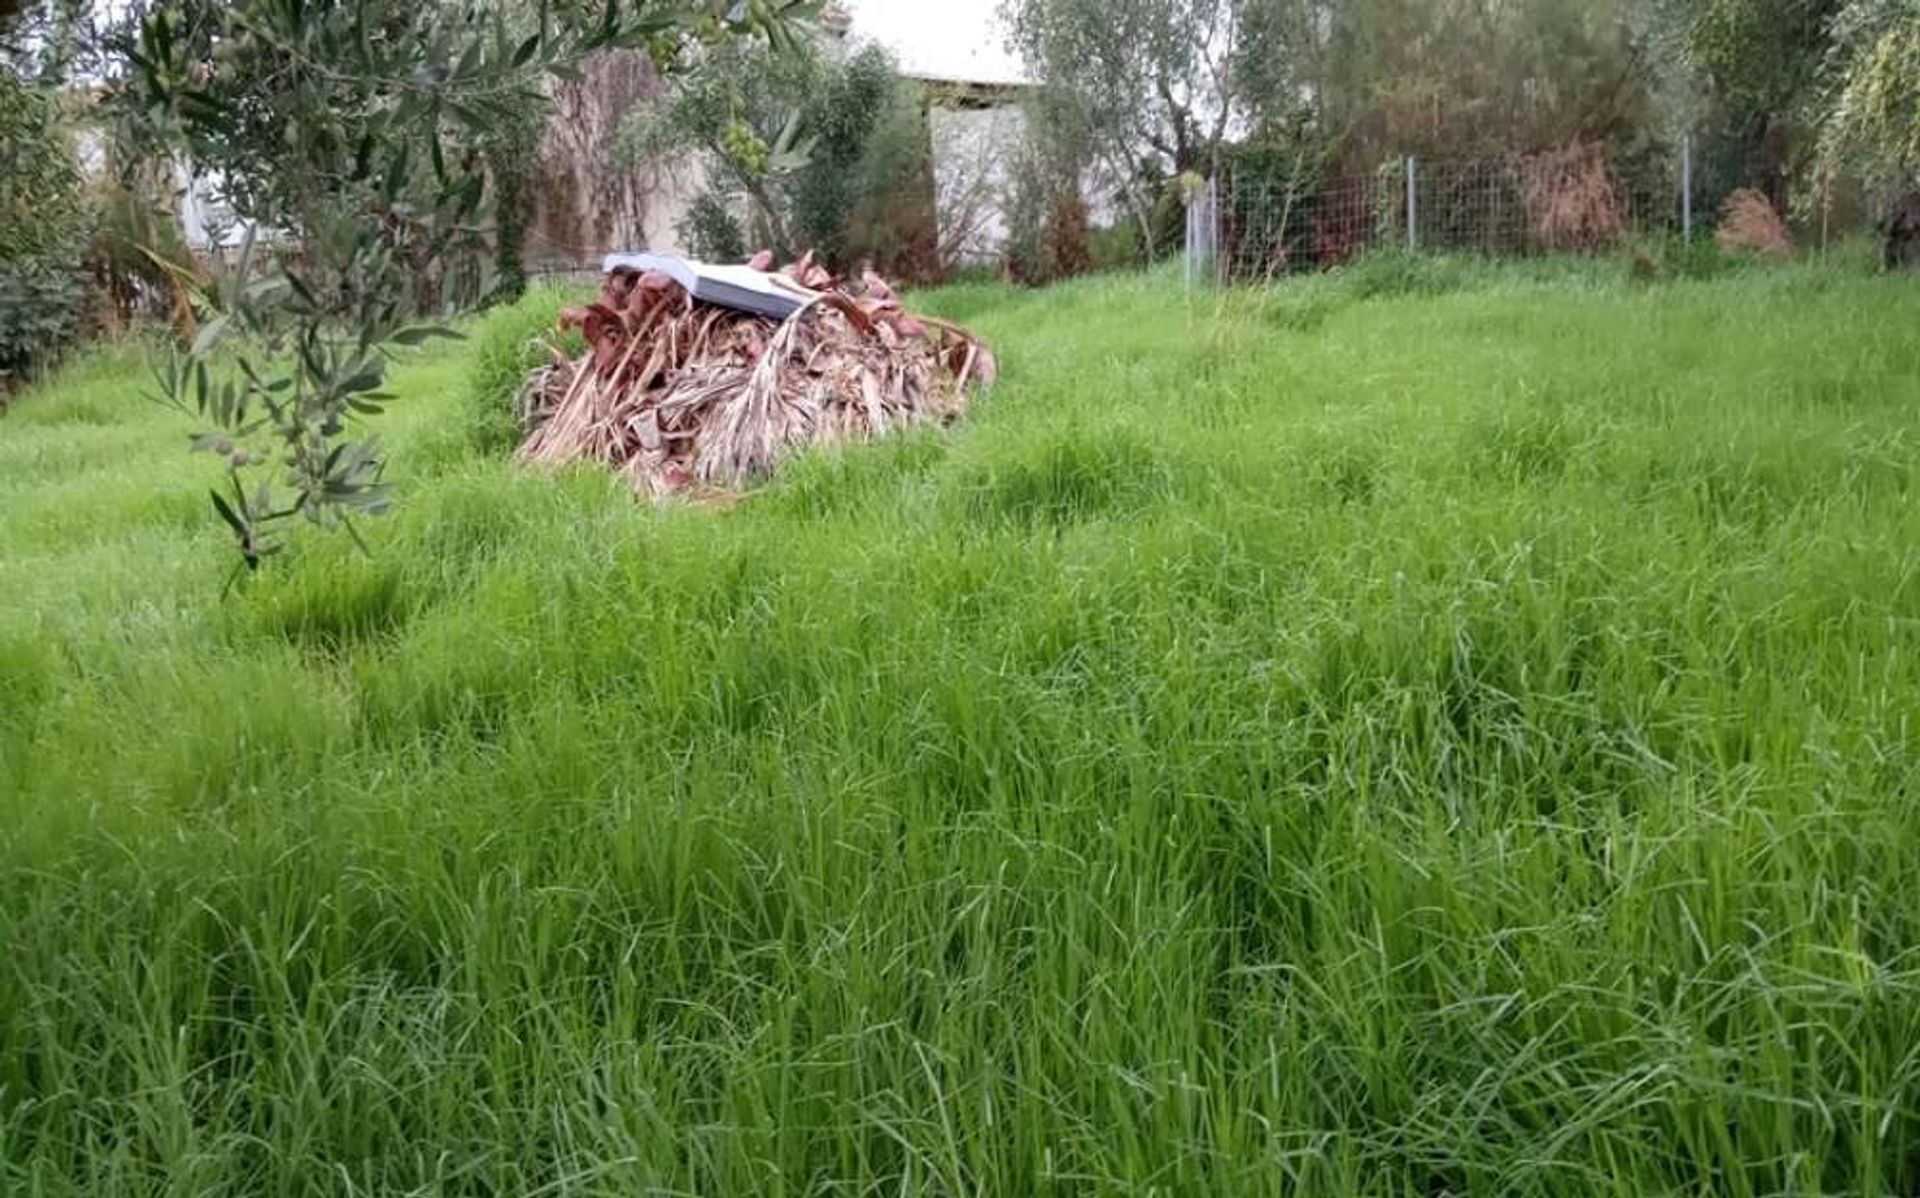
688 397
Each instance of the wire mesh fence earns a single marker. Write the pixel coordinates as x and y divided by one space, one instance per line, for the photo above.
1254 225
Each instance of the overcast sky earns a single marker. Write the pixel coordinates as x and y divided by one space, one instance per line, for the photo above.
942 39
962 40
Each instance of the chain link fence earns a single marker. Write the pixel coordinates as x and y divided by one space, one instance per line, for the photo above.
1256 225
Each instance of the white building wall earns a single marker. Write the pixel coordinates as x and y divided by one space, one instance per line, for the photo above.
974 150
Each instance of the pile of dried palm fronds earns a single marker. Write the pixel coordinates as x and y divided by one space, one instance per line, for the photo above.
683 396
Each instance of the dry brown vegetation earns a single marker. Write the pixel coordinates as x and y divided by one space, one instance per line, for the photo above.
687 397
1749 224
1572 201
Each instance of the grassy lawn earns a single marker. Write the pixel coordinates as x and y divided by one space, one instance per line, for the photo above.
1436 731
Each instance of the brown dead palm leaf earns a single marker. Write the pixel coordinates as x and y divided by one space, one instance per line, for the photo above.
694 399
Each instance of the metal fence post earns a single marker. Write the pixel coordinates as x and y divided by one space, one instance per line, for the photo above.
1193 204
1826 208
1413 204
1686 189
1203 232
1213 230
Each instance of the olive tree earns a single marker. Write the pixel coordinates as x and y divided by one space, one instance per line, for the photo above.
354 138
43 42
1146 90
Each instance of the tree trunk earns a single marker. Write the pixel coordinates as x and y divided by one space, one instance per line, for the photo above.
1901 230
510 232
583 204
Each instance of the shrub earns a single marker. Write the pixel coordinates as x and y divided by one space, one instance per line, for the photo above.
1571 198
711 230
507 342
1749 224
42 232
891 217
1116 247
1049 234
1069 237
1271 206
1390 273
1670 257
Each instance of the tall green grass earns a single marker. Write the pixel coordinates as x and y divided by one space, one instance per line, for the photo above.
1460 742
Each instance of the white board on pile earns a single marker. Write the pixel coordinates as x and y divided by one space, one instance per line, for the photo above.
741 288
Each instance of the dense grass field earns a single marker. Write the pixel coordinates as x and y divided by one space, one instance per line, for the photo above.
1434 731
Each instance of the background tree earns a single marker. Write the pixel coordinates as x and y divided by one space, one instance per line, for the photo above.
590 195
43 231
1798 92
44 217
1872 117
1148 88
1761 57
800 150
43 42
1159 88
512 152
1758 68
1337 88
1048 225
1872 120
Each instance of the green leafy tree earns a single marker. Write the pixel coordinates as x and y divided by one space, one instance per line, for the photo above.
1156 90
712 231
43 231
818 153
1448 77
1873 119
742 110
1147 90
511 149
43 42
354 137
1761 58
1148 79
44 221
1757 68
867 157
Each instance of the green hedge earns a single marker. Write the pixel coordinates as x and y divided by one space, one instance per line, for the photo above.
42 232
